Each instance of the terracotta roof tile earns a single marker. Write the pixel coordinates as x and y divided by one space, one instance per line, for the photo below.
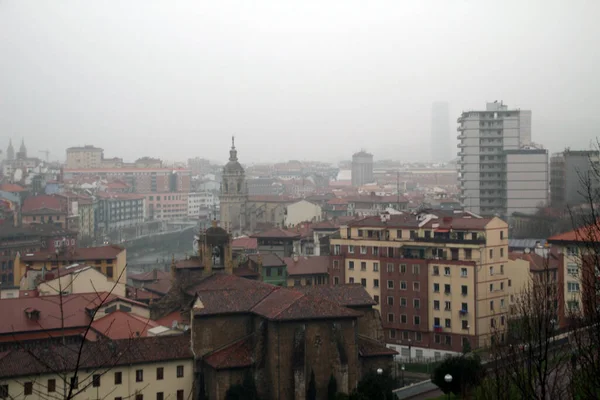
149 276
94 355
245 242
121 325
307 265
349 295
36 203
168 319
268 259
368 347
585 234
277 233
161 287
536 261
11 187
235 355
109 252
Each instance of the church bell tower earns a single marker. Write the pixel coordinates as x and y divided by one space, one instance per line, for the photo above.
234 194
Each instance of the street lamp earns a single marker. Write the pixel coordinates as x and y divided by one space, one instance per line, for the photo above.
409 350
448 379
379 371
402 368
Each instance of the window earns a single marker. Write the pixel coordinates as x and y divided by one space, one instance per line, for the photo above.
403 302
139 375
139 396
416 268
491 287
363 265
436 270
351 249
491 270
268 271
448 323
96 380
390 267
51 385
572 287
464 290
403 318
399 233
491 305
180 371
351 265
436 321
363 282
502 320
416 303
160 396
491 253
501 285
468 254
390 301
74 382
463 272
572 269
351 280
447 289
392 334
336 250
390 284
376 299
447 271
375 251
509 283
3 391
375 267
363 249
447 306
403 268
465 324
417 320
413 234
160 373
501 251
436 304
118 378
109 272
403 285
437 339
416 286
336 265
375 282
436 287
27 388
448 340
493 322
572 251
502 269
501 235
418 338
390 317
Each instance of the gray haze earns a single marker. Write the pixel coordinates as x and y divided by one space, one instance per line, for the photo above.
291 79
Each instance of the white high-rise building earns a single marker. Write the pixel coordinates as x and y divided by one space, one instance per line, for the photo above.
500 170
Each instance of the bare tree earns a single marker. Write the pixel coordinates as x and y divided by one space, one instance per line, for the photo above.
77 364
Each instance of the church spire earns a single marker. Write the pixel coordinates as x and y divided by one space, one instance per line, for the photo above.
23 149
233 151
10 152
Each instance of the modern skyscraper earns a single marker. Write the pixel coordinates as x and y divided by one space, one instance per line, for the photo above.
362 168
500 170
441 149
234 194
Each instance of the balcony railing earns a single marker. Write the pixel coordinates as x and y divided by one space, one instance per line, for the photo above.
478 240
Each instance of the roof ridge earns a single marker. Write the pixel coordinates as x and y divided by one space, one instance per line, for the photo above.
225 346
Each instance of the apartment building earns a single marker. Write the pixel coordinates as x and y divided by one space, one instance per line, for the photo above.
141 180
500 170
85 157
166 206
362 168
119 210
438 281
150 368
567 169
201 203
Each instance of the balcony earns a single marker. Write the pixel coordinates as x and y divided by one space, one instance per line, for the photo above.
460 128
463 313
451 240
438 328
461 136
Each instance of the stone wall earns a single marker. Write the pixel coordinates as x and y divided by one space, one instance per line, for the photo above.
219 382
213 332
369 324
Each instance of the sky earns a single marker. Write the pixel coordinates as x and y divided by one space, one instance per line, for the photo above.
305 80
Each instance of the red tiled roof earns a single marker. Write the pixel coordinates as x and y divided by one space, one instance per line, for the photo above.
191 263
120 196
161 287
368 347
307 265
326 225
537 262
168 319
121 325
276 233
267 259
11 187
235 355
459 223
98 355
348 295
245 272
74 306
109 252
149 276
272 199
338 201
585 234
41 202
245 242
140 294
24 337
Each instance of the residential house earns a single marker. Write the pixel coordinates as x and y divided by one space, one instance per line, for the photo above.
278 241
77 279
301 211
306 271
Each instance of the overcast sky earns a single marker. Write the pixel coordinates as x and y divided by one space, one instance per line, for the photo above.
291 79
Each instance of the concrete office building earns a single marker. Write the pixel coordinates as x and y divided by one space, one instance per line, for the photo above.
566 172
500 170
440 132
362 168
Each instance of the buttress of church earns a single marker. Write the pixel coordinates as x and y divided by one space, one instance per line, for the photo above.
234 195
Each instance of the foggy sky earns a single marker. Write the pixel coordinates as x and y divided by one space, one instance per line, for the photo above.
290 79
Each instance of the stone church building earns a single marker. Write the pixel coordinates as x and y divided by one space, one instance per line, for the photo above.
278 336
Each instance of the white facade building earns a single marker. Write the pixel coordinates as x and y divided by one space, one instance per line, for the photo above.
201 203
302 211
488 141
